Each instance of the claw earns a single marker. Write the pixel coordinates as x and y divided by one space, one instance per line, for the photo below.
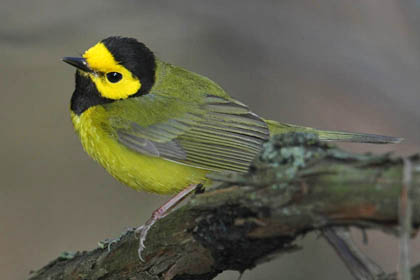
140 250
141 233
112 242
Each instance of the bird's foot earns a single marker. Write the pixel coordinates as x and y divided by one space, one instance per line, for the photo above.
141 233
107 243
161 212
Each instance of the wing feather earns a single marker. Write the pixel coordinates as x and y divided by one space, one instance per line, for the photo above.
220 134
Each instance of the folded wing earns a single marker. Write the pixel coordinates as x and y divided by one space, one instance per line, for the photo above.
219 134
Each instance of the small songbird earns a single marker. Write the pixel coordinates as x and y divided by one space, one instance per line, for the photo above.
160 128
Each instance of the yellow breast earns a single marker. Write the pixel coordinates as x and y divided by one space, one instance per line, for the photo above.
138 171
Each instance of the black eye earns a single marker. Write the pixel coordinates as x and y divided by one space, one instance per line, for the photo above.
113 77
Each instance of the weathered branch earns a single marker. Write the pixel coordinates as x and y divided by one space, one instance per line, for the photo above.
297 185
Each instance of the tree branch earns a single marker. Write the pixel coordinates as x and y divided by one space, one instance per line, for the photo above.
296 185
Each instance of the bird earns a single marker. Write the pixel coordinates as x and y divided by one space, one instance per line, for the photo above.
160 128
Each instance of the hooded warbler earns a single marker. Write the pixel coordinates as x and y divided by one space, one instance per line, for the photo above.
160 128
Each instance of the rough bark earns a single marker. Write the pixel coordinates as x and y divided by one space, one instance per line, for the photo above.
295 186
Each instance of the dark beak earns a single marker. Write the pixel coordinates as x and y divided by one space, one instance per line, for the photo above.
78 62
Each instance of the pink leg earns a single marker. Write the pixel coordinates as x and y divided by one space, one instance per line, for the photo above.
160 213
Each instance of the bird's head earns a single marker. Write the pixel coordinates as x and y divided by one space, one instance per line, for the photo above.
115 68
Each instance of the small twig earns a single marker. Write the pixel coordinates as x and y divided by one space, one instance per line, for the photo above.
359 265
405 213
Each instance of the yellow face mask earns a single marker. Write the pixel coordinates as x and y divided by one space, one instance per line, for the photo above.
112 80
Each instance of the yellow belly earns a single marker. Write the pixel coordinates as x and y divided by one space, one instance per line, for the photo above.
138 171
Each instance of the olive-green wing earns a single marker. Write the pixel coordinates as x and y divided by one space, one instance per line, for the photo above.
218 134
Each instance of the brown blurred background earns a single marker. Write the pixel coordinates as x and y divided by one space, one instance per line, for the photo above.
348 65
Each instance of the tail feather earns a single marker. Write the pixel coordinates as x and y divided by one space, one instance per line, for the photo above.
357 137
326 135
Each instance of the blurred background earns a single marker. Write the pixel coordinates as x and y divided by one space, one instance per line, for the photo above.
345 65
